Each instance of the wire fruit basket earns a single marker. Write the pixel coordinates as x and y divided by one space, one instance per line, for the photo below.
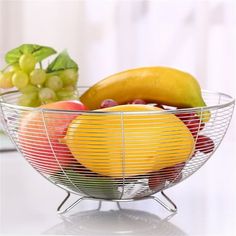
117 156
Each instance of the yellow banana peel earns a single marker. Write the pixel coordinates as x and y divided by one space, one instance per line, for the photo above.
162 85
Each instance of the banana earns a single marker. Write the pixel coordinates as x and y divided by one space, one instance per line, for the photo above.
162 85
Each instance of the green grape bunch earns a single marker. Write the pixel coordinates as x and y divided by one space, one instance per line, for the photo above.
38 85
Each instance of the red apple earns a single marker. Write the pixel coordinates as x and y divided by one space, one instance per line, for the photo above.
40 135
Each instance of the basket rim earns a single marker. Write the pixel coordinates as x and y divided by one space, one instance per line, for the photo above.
100 112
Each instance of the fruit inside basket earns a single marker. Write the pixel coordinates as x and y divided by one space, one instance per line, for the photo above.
112 154
127 137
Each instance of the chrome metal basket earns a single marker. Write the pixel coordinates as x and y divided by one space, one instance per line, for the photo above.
117 156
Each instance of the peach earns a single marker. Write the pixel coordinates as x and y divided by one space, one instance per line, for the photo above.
40 132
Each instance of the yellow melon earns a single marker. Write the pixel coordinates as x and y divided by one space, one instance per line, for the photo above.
128 140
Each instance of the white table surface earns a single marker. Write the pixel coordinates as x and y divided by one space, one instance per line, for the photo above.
206 203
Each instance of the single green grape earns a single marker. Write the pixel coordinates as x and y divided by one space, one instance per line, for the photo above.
20 79
47 94
62 93
54 82
67 93
67 89
72 97
29 89
69 77
70 88
6 80
37 77
29 100
27 62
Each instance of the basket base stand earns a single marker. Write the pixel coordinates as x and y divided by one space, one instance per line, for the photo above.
168 204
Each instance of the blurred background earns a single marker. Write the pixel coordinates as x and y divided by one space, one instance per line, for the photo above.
108 36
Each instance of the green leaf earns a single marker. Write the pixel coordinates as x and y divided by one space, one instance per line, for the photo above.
62 62
39 52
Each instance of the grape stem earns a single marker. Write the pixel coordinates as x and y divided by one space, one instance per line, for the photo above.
7 66
40 64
